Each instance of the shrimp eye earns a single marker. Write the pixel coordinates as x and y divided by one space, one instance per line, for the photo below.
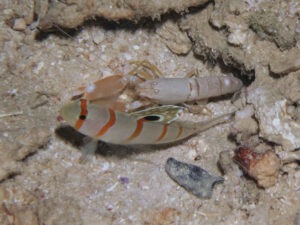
82 117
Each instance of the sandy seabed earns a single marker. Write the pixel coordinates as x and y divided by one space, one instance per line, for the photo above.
44 180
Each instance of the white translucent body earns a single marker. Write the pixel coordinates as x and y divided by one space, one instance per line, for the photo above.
179 90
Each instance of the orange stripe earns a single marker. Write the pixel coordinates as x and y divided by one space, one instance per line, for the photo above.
109 124
83 113
138 129
179 132
163 133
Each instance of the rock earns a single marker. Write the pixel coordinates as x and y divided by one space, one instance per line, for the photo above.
227 164
72 15
238 47
193 178
262 167
289 86
244 121
286 62
98 37
289 157
267 26
237 37
275 122
19 24
176 40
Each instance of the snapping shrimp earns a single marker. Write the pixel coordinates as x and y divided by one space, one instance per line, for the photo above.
108 91
180 90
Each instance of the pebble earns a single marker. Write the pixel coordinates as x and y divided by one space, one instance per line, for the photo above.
19 24
98 37
262 167
177 41
193 178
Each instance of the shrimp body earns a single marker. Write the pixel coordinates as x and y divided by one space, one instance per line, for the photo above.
120 128
179 90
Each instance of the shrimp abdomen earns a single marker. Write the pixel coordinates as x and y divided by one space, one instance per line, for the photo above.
180 90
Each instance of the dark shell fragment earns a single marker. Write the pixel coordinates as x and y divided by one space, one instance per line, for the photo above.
193 178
